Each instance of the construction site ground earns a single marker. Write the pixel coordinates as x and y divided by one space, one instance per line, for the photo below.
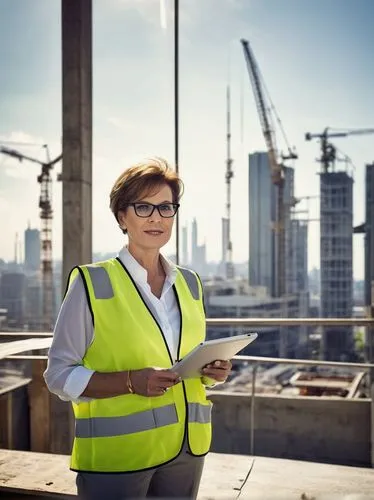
28 475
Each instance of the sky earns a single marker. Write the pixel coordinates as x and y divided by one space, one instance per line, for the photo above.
316 60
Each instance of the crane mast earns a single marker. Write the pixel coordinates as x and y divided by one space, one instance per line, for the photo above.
46 217
276 168
229 271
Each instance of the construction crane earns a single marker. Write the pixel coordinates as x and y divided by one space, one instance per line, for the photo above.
229 271
328 150
46 216
275 162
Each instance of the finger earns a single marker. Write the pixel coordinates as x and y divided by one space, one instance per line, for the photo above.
216 373
217 369
158 391
219 363
226 365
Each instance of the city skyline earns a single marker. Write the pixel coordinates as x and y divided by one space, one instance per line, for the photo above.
306 53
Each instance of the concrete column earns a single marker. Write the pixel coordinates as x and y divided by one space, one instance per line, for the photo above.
76 23
76 176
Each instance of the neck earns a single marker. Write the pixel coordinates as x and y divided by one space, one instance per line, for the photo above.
149 259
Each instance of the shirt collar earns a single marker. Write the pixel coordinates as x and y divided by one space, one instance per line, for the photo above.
139 273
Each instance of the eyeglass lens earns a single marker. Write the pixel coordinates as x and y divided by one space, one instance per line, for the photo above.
164 209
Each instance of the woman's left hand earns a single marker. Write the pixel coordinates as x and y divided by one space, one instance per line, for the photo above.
218 370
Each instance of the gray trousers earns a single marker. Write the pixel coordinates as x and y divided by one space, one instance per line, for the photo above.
177 479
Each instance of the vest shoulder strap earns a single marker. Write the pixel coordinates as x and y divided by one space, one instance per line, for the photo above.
101 284
192 281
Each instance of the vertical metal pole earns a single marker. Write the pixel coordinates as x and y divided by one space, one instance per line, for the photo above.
176 112
253 398
10 420
370 339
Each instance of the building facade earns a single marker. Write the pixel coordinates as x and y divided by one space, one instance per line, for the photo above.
369 233
185 259
262 237
32 249
336 216
13 297
261 212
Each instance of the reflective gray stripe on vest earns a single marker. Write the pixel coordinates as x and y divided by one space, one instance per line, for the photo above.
191 280
117 426
199 413
100 282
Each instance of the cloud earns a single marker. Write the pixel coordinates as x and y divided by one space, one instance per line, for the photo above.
153 11
25 144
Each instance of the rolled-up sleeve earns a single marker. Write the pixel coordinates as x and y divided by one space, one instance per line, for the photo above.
65 375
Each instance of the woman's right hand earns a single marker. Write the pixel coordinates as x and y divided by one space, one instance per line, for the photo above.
152 382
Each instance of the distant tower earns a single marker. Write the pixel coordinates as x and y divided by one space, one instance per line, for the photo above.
194 249
185 245
16 248
32 249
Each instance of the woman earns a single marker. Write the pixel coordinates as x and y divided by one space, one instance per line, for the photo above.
140 431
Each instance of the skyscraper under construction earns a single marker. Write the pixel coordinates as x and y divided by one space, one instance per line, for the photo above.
336 217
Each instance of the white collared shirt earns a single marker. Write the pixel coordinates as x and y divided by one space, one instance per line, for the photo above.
73 334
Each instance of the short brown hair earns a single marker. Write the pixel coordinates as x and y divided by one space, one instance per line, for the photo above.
141 180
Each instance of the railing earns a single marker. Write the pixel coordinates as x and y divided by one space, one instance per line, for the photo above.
256 360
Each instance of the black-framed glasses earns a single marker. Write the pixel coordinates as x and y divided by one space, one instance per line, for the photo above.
143 209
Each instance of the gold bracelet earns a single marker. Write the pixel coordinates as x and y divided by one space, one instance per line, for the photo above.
129 384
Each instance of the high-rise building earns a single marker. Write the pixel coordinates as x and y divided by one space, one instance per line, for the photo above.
290 247
369 233
300 244
198 252
194 250
32 249
336 217
33 302
12 297
262 237
224 245
185 261
261 210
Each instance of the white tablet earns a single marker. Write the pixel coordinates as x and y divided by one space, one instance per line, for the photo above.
211 350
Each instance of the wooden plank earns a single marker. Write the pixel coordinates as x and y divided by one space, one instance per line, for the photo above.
40 474
18 346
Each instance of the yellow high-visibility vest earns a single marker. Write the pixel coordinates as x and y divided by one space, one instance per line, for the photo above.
132 432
